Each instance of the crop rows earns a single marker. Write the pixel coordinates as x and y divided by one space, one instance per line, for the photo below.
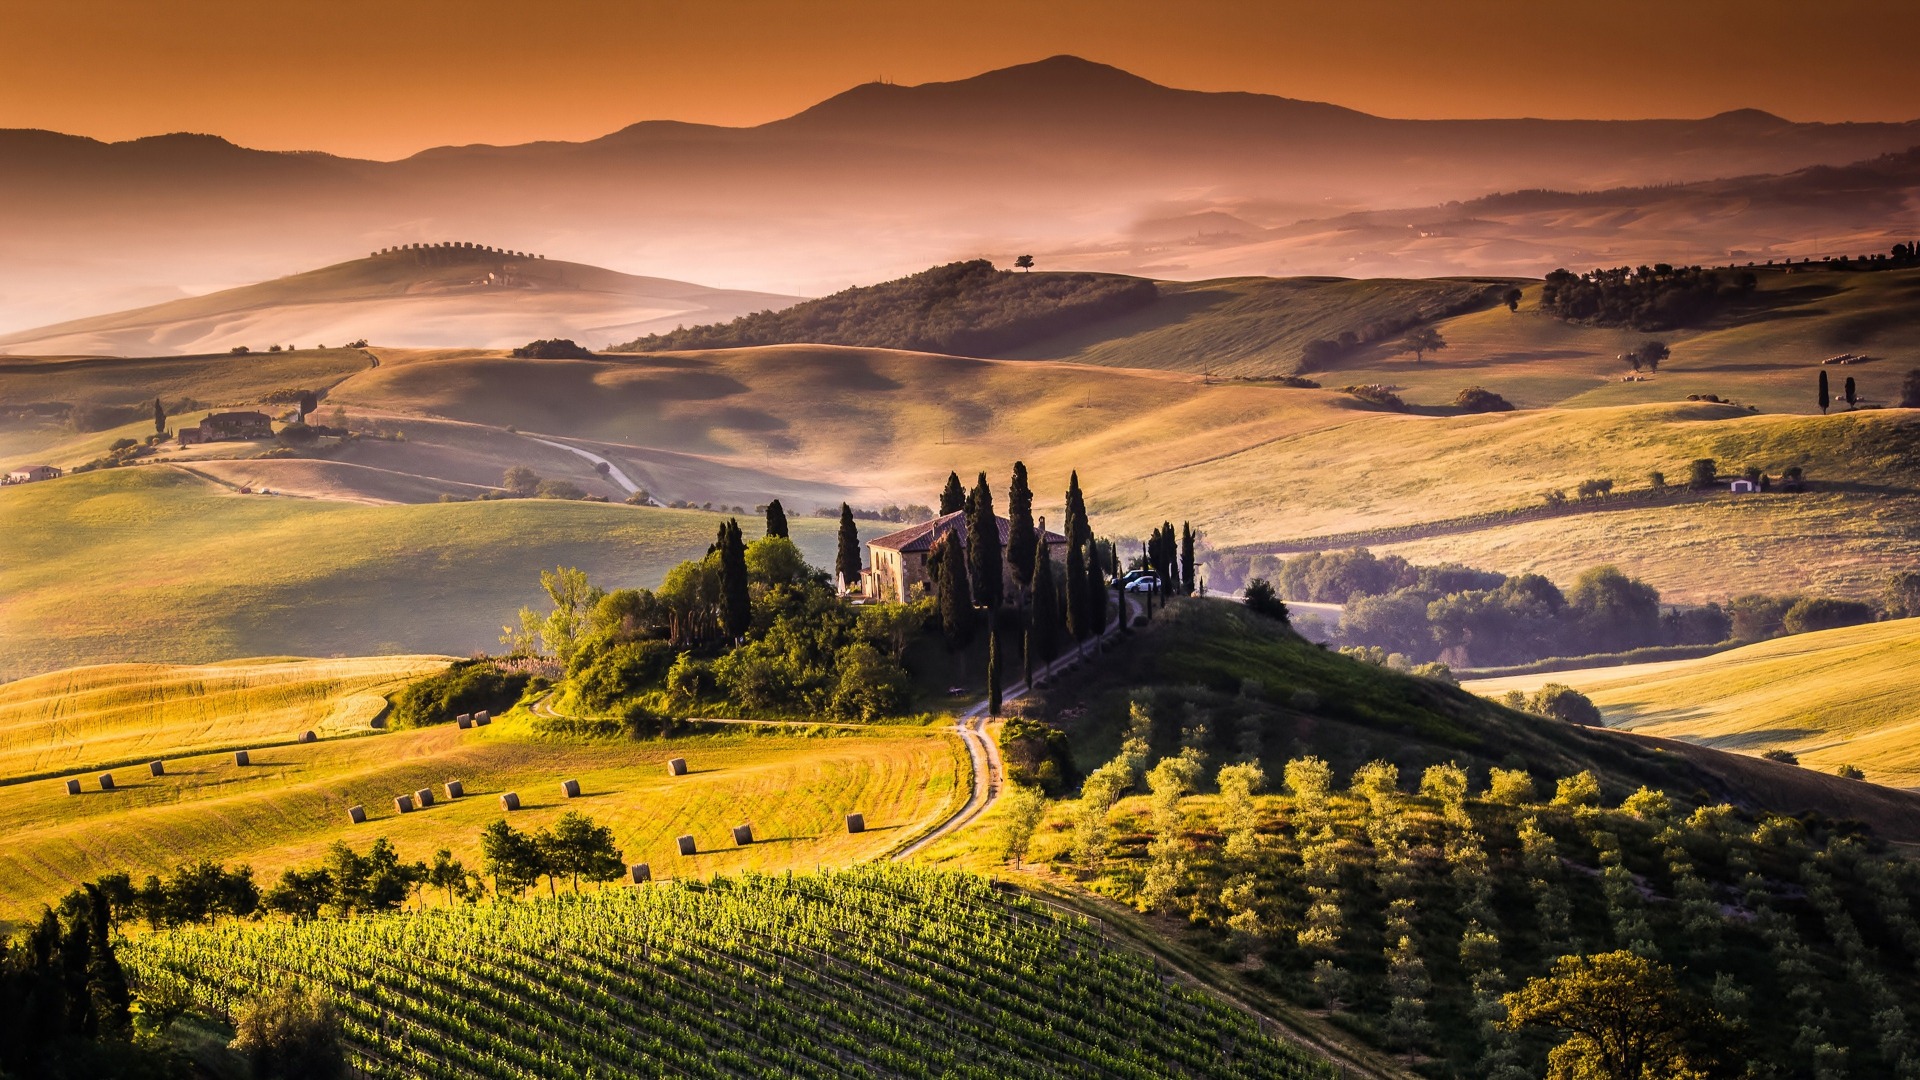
878 971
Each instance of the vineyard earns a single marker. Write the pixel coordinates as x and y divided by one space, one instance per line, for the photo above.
876 971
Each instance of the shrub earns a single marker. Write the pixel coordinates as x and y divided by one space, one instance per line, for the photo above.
603 675
1580 789
559 489
1377 395
1513 787
1850 772
1261 600
870 686
552 349
1563 702
1825 614
1784 757
293 1034
1475 399
465 686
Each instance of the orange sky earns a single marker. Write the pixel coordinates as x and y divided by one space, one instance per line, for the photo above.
383 78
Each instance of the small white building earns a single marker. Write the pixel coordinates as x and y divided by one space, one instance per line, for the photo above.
27 474
1743 487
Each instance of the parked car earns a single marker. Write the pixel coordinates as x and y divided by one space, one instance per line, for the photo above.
1144 583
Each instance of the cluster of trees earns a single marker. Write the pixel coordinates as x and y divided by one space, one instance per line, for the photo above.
967 308
1659 297
1415 330
465 686
521 482
575 848
907 514
552 349
1478 399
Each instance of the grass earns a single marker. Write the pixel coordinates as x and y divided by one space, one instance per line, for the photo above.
156 564
92 718
291 803
1832 698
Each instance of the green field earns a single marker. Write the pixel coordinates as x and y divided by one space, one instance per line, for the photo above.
1835 697
793 786
157 565
880 971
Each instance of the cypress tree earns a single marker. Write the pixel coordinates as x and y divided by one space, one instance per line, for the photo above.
956 599
1169 560
1077 527
1849 393
776 519
159 418
1043 618
993 667
737 610
1096 590
1020 527
984 560
846 562
1120 602
1186 559
953 498
1077 626
1824 399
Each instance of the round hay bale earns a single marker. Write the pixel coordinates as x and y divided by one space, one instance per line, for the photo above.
686 844
641 873
73 787
742 835
677 767
357 815
424 797
308 736
106 781
856 823
482 718
510 801
465 722
571 788
404 804
157 768
455 790
241 757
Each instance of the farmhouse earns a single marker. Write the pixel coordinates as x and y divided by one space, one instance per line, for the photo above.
228 427
898 561
27 474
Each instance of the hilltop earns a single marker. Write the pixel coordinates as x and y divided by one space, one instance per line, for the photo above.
429 295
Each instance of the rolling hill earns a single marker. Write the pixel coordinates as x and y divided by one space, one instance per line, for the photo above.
1075 160
462 296
1831 698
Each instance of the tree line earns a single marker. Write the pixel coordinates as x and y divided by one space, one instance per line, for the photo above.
1658 297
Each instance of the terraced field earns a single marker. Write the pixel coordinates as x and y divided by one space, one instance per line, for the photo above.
878 971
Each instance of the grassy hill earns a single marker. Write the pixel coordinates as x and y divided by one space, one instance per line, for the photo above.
1835 697
291 802
442 297
158 564
878 971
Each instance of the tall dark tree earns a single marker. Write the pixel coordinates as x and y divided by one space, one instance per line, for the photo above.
993 666
736 600
308 403
1849 393
984 559
1078 529
1020 527
953 498
1043 618
956 598
1186 559
1077 626
1825 400
1096 590
846 561
159 418
776 519
1513 299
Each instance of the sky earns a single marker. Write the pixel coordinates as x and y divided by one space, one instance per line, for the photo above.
386 78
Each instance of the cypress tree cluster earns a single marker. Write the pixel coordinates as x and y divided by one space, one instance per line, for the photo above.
776 519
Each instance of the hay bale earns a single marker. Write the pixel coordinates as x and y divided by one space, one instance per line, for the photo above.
482 718
73 787
571 788
641 872
357 815
677 767
106 781
424 797
465 722
686 845
455 790
308 736
404 804
742 835
510 801
856 823
240 757
157 768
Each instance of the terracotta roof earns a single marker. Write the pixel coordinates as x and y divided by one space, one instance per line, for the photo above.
923 536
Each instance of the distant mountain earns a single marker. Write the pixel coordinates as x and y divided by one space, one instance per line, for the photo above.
444 296
1058 157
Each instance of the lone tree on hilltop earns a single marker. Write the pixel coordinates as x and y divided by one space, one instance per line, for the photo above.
846 560
1512 299
1422 340
953 497
1024 262
776 519
1825 398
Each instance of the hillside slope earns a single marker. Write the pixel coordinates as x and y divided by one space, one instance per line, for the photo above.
1834 697
445 297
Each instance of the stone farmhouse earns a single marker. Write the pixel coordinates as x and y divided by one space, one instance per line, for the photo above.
897 562
27 474
228 427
